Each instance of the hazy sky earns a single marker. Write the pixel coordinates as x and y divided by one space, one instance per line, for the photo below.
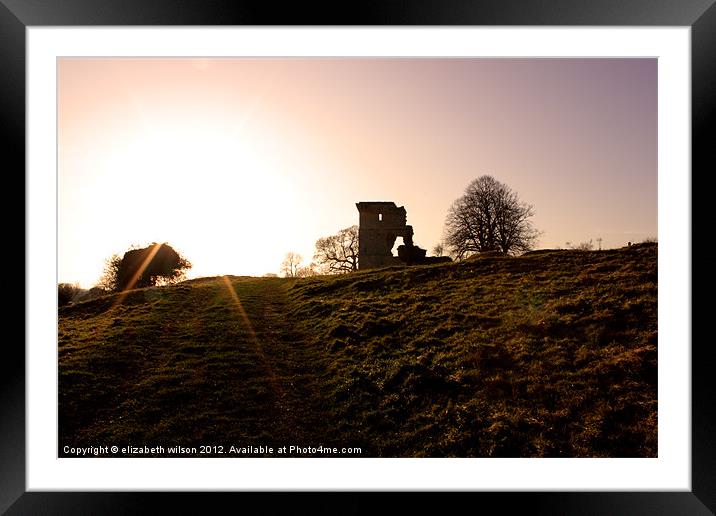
235 162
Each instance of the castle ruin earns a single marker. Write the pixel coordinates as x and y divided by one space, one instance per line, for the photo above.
380 224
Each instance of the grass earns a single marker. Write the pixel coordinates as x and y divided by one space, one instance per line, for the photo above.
552 354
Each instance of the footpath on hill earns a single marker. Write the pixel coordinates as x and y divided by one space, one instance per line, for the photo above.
207 365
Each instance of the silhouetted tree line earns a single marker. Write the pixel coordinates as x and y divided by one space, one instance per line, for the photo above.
488 217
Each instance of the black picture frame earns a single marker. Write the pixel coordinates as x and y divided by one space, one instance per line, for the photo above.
17 15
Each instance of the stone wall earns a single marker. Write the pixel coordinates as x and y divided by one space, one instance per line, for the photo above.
381 223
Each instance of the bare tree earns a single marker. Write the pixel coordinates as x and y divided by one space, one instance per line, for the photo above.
291 264
489 217
583 246
338 254
439 249
307 271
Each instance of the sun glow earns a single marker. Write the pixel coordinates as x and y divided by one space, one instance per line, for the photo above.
216 195
236 162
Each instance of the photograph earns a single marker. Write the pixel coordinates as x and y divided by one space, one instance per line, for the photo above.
357 257
303 258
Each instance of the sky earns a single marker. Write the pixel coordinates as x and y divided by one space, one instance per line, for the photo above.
235 162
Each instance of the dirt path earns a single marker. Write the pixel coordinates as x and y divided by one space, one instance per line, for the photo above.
297 410
215 363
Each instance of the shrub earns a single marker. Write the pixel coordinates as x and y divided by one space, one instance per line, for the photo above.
66 293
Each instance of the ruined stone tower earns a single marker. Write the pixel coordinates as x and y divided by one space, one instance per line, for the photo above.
380 224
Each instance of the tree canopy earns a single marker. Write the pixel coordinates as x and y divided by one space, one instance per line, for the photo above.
338 254
156 264
291 264
489 217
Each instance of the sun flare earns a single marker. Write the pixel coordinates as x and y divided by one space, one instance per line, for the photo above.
236 162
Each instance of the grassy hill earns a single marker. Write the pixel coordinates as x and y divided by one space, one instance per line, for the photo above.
552 354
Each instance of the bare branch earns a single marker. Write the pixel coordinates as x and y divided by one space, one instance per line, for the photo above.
489 217
338 254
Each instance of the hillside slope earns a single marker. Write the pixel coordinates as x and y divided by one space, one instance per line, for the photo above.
549 354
